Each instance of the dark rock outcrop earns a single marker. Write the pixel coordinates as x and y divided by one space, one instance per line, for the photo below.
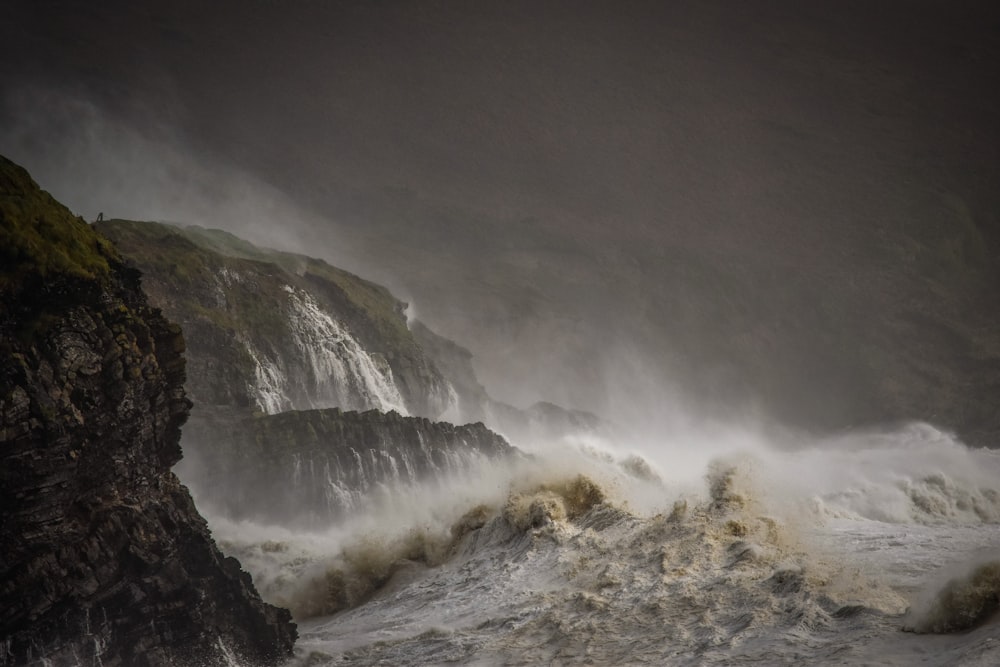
311 467
103 557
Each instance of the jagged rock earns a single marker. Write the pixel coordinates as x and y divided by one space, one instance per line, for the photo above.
103 557
311 467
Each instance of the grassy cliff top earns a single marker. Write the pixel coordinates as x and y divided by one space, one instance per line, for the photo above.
376 300
41 237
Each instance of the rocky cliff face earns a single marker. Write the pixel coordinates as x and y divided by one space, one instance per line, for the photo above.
313 467
272 331
455 362
103 557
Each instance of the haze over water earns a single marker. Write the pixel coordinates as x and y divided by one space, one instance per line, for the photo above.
762 241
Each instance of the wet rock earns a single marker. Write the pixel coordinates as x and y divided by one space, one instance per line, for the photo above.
103 557
309 467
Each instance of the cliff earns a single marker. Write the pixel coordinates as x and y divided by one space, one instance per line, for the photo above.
270 332
312 467
273 331
104 559
455 362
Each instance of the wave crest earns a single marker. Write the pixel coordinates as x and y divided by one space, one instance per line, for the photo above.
552 502
962 603
369 562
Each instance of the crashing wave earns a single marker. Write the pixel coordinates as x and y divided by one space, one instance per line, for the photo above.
562 557
962 603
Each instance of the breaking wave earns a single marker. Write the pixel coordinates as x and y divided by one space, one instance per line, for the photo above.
917 475
561 572
585 553
320 573
963 602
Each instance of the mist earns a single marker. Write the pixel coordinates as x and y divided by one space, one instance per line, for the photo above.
661 214
98 163
697 360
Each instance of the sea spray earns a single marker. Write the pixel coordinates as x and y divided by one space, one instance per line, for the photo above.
400 516
561 572
311 469
913 474
580 553
560 500
916 474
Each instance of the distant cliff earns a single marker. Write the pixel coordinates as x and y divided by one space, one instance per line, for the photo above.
309 468
269 332
273 331
535 424
103 557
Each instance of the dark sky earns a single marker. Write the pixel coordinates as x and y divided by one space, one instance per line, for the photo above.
522 169
574 109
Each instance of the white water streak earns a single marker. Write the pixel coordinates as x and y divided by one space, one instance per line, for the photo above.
271 385
344 373
327 368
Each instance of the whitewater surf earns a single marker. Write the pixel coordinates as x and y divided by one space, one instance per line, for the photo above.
876 548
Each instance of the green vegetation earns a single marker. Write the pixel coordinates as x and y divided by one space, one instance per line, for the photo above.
370 301
180 274
41 237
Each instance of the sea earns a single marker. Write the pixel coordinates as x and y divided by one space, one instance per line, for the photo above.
717 546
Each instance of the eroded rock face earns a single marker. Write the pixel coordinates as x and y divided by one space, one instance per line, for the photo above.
103 557
309 468
272 331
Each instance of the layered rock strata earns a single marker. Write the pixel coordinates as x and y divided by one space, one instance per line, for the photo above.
313 467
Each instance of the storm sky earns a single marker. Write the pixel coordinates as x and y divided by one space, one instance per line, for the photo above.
534 176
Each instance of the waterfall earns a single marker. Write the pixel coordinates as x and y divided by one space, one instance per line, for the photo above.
343 374
325 367
271 387
453 412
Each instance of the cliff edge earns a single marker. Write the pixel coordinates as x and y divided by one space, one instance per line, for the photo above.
103 556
